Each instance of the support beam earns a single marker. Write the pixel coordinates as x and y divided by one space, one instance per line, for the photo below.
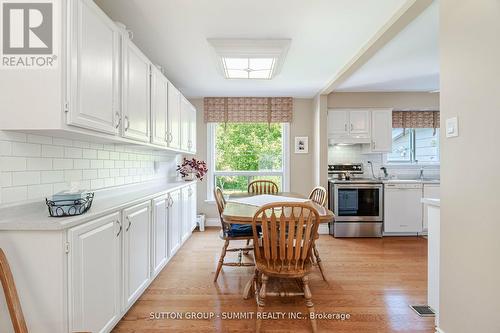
407 13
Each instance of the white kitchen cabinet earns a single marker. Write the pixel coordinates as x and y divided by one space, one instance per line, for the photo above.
359 124
381 131
338 123
186 213
349 125
174 222
174 117
94 101
185 123
94 274
136 251
193 205
159 233
188 126
431 191
136 93
402 208
159 107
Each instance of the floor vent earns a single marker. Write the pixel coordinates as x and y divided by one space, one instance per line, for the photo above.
423 310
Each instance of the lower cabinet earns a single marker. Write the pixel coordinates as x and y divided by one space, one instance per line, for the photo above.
136 250
159 234
174 222
94 274
99 268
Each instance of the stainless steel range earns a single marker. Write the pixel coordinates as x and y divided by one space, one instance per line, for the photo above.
358 203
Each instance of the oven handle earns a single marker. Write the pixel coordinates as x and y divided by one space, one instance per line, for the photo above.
362 186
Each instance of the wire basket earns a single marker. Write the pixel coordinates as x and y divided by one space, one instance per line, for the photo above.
59 208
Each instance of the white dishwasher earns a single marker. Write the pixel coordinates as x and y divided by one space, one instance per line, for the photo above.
402 208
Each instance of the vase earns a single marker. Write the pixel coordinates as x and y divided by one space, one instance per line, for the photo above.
189 177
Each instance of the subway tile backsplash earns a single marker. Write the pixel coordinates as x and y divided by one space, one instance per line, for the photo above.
338 154
33 167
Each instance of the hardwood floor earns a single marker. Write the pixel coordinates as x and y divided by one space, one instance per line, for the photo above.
373 280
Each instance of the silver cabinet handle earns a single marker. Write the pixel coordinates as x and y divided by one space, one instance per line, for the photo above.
129 223
345 127
119 231
126 123
374 145
352 127
119 118
166 137
170 137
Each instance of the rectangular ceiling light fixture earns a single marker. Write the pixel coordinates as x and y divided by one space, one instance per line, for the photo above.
250 58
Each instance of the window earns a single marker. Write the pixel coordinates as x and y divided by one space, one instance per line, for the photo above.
414 145
242 152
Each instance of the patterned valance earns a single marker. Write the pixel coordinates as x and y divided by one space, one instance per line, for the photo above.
415 119
248 109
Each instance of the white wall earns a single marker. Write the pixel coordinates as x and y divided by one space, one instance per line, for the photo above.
33 167
470 222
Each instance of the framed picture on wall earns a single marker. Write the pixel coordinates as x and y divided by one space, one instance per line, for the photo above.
301 144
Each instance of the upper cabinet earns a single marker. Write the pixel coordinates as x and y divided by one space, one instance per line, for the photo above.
159 107
136 93
94 100
349 126
100 86
174 117
381 131
188 126
372 127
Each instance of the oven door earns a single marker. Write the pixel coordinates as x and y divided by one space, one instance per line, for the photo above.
358 202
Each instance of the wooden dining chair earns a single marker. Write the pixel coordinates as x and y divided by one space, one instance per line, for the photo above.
11 297
230 232
262 186
318 195
285 250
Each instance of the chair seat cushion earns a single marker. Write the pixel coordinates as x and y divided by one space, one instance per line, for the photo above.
240 230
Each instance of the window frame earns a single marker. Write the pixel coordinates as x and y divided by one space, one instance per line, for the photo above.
211 150
413 161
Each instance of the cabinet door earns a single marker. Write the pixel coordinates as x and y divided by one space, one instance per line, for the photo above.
381 131
174 222
159 94
338 123
94 274
160 234
186 213
136 105
193 210
359 124
174 117
94 49
431 191
136 250
192 129
185 121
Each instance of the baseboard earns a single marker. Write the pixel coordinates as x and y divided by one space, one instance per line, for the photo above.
438 330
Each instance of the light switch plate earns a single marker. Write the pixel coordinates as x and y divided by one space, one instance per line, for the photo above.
452 127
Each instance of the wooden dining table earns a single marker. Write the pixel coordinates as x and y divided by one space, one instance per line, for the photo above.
242 213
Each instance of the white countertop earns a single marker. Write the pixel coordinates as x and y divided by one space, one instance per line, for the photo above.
432 202
412 181
35 216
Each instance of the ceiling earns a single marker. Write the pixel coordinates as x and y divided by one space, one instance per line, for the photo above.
409 62
325 35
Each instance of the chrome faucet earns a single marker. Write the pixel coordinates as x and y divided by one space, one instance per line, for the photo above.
422 173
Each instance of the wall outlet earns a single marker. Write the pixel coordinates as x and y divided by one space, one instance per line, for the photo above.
452 127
